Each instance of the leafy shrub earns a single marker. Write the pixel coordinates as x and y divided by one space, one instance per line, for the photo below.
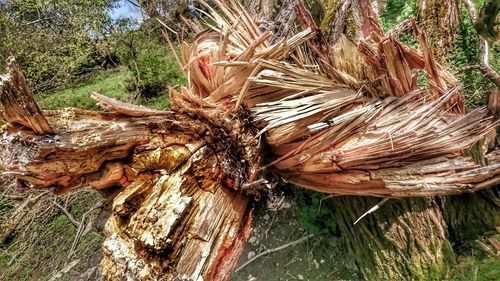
317 216
5 205
148 59
466 52
152 70
54 41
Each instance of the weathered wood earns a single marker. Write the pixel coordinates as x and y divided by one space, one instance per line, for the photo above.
358 126
179 214
411 239
441 18
341 19
284 20
494 103
125 108
181 224
18 104
260 9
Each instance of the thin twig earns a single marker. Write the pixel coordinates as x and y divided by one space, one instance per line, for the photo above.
293 243
68 214
373 209
80 231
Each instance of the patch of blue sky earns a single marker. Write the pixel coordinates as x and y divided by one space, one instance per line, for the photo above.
126 9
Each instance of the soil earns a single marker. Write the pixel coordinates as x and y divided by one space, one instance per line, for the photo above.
276 223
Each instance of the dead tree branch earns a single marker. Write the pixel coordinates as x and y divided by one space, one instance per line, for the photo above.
487 70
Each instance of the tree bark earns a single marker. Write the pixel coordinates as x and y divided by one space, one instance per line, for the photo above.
404 240
340 18
260 9
440 19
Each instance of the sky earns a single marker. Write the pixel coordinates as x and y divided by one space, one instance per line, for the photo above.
125 9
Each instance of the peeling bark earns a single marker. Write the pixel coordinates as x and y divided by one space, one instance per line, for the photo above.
340 18
260 9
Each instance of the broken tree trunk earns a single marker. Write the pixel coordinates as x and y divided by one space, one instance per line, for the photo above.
347 120
442 19
176 215
411 239
404 240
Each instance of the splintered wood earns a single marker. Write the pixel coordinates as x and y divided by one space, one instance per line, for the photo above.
186 229
19 106
345 120
178 215
341 120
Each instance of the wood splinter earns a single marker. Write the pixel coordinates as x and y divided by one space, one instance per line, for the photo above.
18 103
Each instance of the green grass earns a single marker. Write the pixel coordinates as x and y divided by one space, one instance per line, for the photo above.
5 206
471 268
111 84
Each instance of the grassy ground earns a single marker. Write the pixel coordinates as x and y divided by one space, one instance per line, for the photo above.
39 247
112 84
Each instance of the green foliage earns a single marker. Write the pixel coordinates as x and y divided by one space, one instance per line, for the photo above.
54 41
153 70
5 205
396 11
149 61
466 52
317 216
112 84
471 268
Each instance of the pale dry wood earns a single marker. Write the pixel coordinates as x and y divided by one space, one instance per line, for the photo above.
125 108
177 226
321 119
177 177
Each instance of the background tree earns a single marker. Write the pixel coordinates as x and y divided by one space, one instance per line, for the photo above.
441 19
55 41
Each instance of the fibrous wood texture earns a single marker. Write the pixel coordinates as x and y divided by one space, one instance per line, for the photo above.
20 107
406 239
178 213
442 17
353 121
344 119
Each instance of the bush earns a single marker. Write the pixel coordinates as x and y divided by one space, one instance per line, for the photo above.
146 55
152 70
317 215
55 42
466 52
